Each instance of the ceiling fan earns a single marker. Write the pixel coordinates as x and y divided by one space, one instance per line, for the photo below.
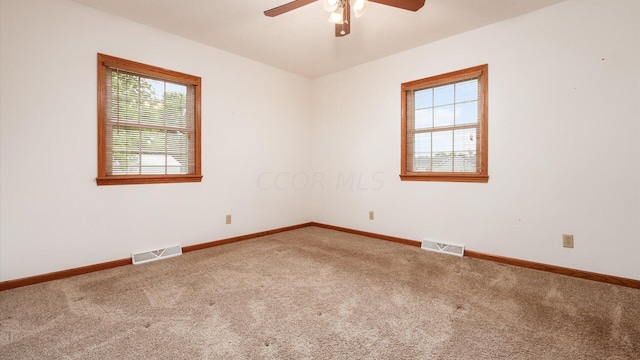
341 10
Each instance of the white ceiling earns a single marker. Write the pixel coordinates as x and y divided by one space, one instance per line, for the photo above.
302 41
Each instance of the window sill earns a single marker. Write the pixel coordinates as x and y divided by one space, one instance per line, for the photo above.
448 177
146 179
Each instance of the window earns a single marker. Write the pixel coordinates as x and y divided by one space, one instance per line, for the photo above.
444 127
148 124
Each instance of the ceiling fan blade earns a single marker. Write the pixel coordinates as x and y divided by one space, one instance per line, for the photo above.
287 7
412 5
345 28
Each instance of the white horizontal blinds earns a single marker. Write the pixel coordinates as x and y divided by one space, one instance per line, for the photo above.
149 124
191 130
444 127
410 130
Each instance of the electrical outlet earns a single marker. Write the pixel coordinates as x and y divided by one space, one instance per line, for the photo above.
228 220
371 215
567 241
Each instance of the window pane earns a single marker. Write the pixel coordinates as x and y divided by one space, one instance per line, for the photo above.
422 144
467 113
175 100
177 148
443 116
152 141
153 87
464 140
127 85
125 159
465 150
119 154
149 114
443 95
423 98
424 118
442 151
422 152
124 97
150 104
467 90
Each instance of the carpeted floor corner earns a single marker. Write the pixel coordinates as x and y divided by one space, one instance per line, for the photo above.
315 293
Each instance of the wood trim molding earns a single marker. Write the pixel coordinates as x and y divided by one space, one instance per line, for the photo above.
587 275
31 280
242 237
610 279
369 234
146 179
12 284
582 274
451 177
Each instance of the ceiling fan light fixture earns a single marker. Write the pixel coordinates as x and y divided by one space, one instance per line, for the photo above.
330 5
337 17
340 10
359 6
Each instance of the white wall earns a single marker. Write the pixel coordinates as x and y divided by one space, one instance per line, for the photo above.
54 217
564 148
564 155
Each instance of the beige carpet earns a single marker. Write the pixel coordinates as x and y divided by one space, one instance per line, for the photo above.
315 293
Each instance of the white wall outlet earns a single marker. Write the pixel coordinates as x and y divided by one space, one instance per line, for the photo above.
371 215
228 219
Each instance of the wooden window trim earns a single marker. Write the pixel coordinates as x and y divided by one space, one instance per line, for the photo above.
481 176
105 61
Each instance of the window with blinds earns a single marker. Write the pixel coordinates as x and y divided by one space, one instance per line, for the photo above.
149 124
444 127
